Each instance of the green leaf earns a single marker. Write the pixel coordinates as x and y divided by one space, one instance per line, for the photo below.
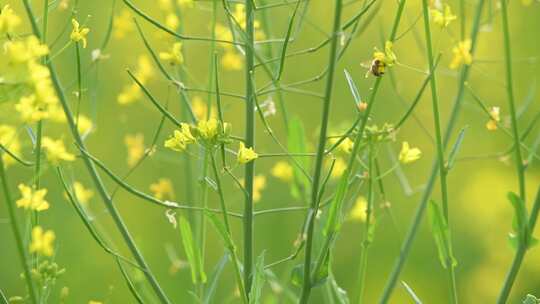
192 252
333 222
339 293
320 277
411 293
210 291
220 227
321 274
297 275
259 278
441 234
297 144
353 88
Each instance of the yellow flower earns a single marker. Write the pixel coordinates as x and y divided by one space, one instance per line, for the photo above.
208 129
42 241
82 194
240 15
185 3
462 54
144 69
259 183
495 117
232 61
381 60
162 188
283 171
94 302
56 151
78 33
129 94
84 125
408 155
245 155
32 199
174 56
200 109
339 168
442 18
346 145
30 110
358 212
8 139
56 113
8 20
123 24
135 148
24 51
181 138
172 21
224 33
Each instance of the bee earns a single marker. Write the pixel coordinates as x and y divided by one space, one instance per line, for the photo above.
377 68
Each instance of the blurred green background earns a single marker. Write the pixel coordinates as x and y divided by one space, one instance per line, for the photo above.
480 213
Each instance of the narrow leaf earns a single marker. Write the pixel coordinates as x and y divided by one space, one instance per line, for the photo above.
441 234
455 149
259 279
192 252
353 88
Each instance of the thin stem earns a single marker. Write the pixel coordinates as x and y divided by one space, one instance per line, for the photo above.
250 142
439 144
307 285
17 232
413 229
93 172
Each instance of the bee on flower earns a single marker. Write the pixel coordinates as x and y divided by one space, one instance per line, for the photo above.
382 60
245 155
78 34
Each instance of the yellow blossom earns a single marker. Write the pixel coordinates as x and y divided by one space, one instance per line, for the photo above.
32 199
94 302
442 18
129 94
232 61
381 60
181 138
135 148
239 15
283 171
122 24
245 155
144 69
495 117
185 3
172 21
162 188
174 56
462 54
223 33
8 139
208 128
56 151
346 145
82 194
358 211
79 33
259 183
24 51
408 155
199 108
42 241
8 20
30 110
339 168
84 125
56 113
132 92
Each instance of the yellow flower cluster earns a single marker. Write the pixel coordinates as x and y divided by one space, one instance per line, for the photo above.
174 55
82 194
8 20
200 109
42 241
78 34
20 67
9 139
245 155
494 118
32 199
122 24
56 151
442 17
135 148
162 188
231 60
132 92
239 15
461 54
181 138
408 155
283 171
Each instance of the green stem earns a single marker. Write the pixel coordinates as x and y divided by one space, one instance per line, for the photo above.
511 101
413 229
306 288
16 232
366 242
250 142
92 169
438 140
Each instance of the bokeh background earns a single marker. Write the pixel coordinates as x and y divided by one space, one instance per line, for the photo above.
480 213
